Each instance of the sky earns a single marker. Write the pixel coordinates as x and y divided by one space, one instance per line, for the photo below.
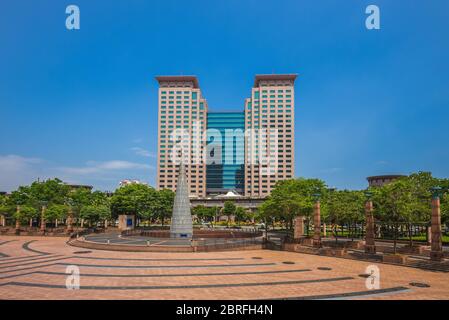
81 105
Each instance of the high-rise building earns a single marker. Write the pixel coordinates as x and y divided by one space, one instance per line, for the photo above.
225 167
269 118
246 152
182 121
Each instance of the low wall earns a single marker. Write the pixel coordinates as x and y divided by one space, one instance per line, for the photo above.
197 234
156 248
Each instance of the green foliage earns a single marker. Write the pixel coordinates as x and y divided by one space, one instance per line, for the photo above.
229 208
291 198
95 213
205 213
25 213
240 214
344 206
56 211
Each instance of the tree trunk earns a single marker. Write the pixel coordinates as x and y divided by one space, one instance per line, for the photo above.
395 238
56 223
410 235
31 222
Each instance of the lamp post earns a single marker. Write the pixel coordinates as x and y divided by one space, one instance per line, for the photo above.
316 240
436 247
370 245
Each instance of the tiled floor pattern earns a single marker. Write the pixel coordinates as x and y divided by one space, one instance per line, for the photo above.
35 268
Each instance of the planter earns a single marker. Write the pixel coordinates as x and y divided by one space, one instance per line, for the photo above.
394 258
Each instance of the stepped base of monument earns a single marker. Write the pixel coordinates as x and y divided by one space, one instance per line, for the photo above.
142 241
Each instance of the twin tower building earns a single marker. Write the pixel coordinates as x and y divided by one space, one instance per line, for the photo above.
245 152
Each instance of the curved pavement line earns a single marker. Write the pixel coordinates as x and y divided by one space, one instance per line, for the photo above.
29 258
4 255
161 259
36 262
101 275
26 246
196 286
167 266
350 295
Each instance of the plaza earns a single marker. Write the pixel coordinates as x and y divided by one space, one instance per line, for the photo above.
35 268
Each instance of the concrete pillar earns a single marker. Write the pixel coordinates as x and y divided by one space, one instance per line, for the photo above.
370 245
317 225
324 230
106 223
299 227
18 221
429 235
436 247
70 221
44 208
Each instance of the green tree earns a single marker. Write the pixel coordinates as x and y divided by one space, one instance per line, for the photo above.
240 215
204 213
229 209
162 207
394 204
56 212
291 198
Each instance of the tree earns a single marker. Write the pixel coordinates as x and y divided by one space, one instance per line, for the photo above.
204 213
56 212
394 204
291 198
94 213
229 209
240 214
162 208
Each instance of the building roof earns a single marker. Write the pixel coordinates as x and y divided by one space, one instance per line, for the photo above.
386 176
260 77
193 79
229 194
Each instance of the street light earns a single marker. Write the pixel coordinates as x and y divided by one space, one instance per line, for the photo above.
436 191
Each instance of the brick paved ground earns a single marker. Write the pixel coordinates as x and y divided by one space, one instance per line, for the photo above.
34 268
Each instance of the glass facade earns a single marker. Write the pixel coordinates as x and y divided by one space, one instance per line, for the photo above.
225 147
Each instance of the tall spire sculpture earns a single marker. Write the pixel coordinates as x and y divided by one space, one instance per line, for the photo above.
181 222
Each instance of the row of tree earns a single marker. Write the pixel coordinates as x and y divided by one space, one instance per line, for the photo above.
403 201
53 201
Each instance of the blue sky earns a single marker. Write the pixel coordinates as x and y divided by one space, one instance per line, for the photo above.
82 105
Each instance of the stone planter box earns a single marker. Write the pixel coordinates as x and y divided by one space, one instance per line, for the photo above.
394 258
333 252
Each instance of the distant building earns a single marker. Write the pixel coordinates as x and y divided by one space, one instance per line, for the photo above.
247 151
128 182
379 181
2 193
80 186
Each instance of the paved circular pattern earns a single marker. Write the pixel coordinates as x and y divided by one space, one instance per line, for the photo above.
41 267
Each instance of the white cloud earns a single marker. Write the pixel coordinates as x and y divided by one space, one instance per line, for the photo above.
381 162
331 170
142 152
99 167
17 170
